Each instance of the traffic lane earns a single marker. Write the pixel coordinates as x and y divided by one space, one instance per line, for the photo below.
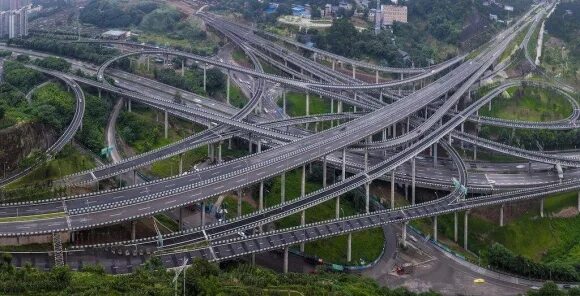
14 228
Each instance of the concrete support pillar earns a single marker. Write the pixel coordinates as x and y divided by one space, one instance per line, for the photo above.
129 105
324 169
182 68
302 222
147 63
181 163
542 208
393 188
413 180
219 157
205 78
501 216
283 187
307 103
180 219
333 65
261 196
166 125
228 82
203 213
367 197
435 228
285 269
303 182
284 101
239 202
475 152
578 201
465 227
455 232
349 248
377 78
435 155
133 230
99 93
404 234
353 71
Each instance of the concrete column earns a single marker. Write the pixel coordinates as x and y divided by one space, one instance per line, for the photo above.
285 269
404 233
542 208
284 101
435 155
129 105
324 169
462 130
180 219
501 216
377 78
147 63
413 180
219 145
302 222
99 93
333 65
353 71
166 124
133 230
182 68
435 228
393 188
261 196
578 201
465 225
181 163
205 78
228 88
475 152
367 197
250 143
303 182
203 213
408 124
239 202
455 234
283 188
349 248
307 103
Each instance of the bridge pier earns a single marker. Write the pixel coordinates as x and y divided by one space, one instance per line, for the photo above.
462 130
307 107
435 155
455 232
284 101
129 105
302 223
205 78
465 227
219 145
413 180
377 79
404 234
133 230
542 208
474 152
349 248
285 268
239 191
283 187
578 201
99 93
182 68
434 228
324 169
501 216
393 188
180 219
367 197
228 88
343 172
147 63
203 213
181 163
166 124
353 72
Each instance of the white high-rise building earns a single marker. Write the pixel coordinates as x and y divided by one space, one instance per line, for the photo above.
14 23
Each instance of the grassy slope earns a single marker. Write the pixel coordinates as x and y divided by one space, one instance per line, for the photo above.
533 104
544 239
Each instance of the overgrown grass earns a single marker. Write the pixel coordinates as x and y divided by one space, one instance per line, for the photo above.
296 104
367 244
530 104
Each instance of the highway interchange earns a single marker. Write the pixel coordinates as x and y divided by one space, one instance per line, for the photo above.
363 143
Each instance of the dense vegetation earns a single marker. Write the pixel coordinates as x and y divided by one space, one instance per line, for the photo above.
88 52
192 81
112 14
501 258
202 278
565 24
